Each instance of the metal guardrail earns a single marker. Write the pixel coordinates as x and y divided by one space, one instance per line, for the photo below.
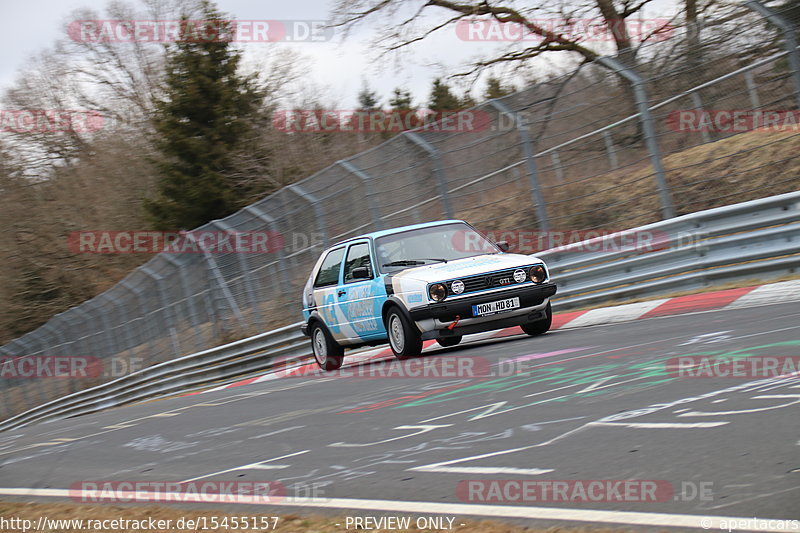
760 238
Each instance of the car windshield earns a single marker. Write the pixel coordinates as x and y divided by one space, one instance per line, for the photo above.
430 245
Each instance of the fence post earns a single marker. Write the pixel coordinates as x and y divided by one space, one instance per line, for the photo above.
366 179
245 269
189 299
438 172
26 394
789 41
752 92
530 162
138 293
557 166
273 227
612 155
648 129
698 104
111 341
169 313
220 280
94 344
319 214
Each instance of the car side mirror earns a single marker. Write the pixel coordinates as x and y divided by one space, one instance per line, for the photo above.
361 273
503 245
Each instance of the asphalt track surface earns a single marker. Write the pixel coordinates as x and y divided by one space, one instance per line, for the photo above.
595 403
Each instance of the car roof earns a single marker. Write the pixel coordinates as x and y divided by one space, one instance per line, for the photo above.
382 233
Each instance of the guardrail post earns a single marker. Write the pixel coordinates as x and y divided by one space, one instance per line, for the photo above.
530 162
272 224
610 152
366 179
789 41
319 213
648 129
219 279
245 269
187 294
438 172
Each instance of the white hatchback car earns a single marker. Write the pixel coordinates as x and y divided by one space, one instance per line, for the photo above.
438 280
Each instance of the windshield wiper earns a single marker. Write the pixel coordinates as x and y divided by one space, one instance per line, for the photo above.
412 262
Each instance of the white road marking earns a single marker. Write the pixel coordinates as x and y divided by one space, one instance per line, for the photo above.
487 470
418 507
422 429
754 410
444 466
245 467
662 425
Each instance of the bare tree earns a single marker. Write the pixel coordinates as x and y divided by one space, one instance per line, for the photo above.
409 23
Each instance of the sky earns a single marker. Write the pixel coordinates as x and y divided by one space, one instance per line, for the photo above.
340 66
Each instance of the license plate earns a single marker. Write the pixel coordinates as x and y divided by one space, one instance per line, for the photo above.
491 308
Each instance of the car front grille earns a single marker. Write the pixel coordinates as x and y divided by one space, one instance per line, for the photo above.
488 281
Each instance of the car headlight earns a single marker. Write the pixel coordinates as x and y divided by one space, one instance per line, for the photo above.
538 274
457 286
438 292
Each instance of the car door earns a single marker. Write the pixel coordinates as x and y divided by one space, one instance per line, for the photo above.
326 284
360 299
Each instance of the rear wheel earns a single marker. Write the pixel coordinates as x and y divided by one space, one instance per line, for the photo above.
327 352
540 326
404 338
449 341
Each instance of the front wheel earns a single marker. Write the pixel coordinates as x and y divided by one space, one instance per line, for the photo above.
327 352
404 338
540 326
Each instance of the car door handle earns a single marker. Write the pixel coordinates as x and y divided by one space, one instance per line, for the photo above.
341 292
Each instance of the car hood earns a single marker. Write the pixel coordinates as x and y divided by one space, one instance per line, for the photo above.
470 266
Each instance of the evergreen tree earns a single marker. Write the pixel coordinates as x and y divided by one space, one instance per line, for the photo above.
495 89
442 98
367 99
204 116
401 101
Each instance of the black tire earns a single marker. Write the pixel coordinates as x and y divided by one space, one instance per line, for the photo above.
540 326
447 342
404 338
327 352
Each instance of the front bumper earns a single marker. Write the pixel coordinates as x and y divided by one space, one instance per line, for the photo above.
529 296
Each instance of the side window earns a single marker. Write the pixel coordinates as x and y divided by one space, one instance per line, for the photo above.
329 270
357 256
